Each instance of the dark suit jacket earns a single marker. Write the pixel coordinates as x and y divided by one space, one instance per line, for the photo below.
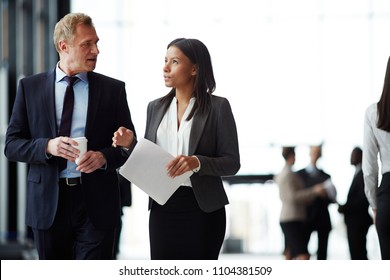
214 141
318 216
33 123
355 209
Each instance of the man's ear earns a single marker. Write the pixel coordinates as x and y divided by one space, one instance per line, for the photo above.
62 46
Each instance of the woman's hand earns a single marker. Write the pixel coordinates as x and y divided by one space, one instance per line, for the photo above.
181 164
123 137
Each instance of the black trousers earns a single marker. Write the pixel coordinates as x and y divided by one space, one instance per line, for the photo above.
357 241
323 236
180 230
72 235
383 216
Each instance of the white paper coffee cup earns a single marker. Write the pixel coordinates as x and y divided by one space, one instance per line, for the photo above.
82 147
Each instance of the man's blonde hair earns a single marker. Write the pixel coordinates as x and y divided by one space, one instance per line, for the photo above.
65 29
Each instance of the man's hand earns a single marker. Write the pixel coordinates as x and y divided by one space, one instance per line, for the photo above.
91 161
62 147
123 137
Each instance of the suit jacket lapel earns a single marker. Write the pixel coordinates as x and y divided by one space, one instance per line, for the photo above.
49 101
197 128
158 114
93 100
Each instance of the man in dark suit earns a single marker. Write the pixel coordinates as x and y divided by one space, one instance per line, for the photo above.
318 218
355 210
72 209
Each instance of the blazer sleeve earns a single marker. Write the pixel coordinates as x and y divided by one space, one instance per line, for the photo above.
21 143
220 134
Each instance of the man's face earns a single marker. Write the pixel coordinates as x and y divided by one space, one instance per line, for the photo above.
81 54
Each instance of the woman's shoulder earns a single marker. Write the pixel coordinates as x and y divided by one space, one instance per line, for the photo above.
156 101
371 111
219 101
371 108
217 98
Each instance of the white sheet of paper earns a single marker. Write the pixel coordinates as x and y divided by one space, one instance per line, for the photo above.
146 168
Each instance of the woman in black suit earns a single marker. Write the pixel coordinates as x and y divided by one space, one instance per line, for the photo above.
199 129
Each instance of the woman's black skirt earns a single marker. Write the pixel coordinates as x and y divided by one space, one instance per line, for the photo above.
180 230
295 235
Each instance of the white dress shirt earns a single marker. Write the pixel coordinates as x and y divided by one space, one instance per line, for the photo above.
376 141
172 138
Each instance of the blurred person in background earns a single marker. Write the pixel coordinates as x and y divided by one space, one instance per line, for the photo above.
318 218
295 197
355 210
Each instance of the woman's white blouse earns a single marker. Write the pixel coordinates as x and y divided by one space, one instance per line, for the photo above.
376 141
172 138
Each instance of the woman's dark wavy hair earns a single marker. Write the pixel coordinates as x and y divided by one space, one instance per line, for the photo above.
204 86
383 106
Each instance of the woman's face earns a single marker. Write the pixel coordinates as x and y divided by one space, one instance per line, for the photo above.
179 71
